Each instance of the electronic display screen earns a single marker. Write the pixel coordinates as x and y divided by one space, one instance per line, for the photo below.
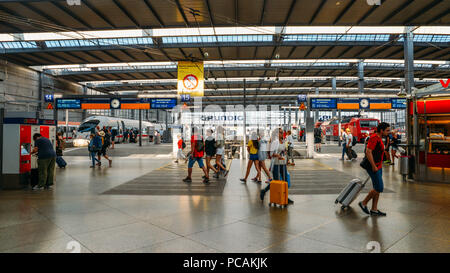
317 103
163 103
398 103
68 103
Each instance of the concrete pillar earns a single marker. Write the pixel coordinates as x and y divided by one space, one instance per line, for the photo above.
40 95
140 127
316 112
289 120
84 112
361 76
333 91
296 113
412 135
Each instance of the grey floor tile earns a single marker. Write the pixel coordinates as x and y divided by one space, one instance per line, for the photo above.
179 245
61 245
437 227
239 237
65 207
86 222
124 238
414 243
29 233
19 216
301 244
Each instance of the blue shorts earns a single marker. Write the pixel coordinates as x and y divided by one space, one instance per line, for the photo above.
254 157
377 180
192 160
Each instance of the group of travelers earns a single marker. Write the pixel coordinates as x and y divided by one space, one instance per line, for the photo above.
98 146
129 136
212 147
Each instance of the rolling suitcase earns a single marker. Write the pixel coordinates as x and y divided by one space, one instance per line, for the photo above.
61 162
278 193
354 154
350 192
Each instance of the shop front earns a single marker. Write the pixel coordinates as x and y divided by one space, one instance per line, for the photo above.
433 121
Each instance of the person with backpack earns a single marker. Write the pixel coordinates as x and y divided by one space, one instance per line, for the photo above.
181 146
197 152
349 143
94 147
252 148
210 150
105 140
318 139
373 164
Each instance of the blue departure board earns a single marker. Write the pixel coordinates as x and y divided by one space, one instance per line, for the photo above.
398 103
68 103
319 103
163 103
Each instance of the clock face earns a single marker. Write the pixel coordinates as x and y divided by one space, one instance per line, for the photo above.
364 103
115 103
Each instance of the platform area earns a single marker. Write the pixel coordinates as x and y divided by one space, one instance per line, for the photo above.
92 207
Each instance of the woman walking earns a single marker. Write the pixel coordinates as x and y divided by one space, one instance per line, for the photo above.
220 150
263 153
278 153
252 147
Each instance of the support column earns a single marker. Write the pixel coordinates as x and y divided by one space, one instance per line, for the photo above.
339 128
2 116
316 112
84 112
140 127
412 130
244 150
360 79
296 114
333 91
40 95
289 119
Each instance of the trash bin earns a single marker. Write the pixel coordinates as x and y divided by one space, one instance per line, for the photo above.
404 166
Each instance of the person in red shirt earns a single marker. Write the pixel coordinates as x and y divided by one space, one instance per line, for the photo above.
197 151
180 154
374 154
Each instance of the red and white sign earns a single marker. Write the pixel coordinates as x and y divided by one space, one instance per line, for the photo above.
190 82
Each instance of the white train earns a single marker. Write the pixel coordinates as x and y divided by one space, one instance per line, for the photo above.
119 125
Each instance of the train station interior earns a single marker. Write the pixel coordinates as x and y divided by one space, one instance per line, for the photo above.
155 82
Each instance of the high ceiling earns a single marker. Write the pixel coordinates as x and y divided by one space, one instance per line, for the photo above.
122 14
57 16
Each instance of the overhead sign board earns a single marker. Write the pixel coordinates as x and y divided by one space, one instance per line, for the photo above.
48 98
163 103
301 98
319 103
398 103
68 103
190 78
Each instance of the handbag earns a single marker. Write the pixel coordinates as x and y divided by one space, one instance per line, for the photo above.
365 164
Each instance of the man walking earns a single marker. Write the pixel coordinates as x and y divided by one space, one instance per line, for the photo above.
46 161
197 152
290 141
374 154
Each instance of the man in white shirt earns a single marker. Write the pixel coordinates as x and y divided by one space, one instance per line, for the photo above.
348 143
290 141
344 141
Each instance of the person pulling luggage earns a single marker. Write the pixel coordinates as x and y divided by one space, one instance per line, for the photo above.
277 153
373 163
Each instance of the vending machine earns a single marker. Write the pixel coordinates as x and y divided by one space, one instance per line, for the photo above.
17 145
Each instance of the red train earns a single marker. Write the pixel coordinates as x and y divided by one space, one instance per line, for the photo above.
360 127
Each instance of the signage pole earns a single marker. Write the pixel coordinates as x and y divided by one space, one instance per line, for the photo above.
140 127
67 124
244 150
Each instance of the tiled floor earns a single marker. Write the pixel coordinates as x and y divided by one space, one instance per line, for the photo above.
236 221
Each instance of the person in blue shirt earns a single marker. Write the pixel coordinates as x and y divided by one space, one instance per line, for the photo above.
95 145
46 161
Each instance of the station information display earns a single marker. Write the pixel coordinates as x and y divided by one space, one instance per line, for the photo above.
357 103
68 103
163 103
317 103
116 103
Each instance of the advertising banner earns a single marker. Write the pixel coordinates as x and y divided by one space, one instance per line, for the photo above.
190 78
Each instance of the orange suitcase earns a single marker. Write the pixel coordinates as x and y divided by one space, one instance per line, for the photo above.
278 193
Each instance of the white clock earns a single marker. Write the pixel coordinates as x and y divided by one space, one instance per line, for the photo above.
115 103
364 103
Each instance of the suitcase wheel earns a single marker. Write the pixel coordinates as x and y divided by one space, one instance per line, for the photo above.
336 201
343 207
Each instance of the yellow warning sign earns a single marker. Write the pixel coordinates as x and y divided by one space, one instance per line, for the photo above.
190 78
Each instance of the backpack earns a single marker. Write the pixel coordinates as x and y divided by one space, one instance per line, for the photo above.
317 132
183 145
354 141
199 145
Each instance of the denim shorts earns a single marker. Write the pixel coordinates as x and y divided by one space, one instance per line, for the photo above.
192 161
377 180
254 157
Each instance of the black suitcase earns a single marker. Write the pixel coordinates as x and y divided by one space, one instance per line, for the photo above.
61 162
34 177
